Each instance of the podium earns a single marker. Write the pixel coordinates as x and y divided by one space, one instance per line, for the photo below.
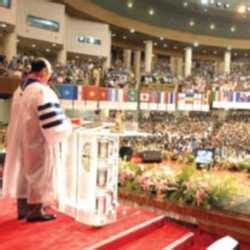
86 176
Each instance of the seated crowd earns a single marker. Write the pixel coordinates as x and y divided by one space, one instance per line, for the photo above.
91 71
185 134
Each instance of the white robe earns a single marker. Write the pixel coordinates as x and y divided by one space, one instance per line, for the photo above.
37 125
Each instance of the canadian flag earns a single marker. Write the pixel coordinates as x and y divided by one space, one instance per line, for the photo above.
145 97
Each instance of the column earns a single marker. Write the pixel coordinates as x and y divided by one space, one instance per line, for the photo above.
188 61
176 66
173 65
62 56
10 45
137 65
127 55
180 66
148 56
227 62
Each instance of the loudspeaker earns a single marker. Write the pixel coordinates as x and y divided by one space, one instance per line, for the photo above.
225 243
151 156
126 153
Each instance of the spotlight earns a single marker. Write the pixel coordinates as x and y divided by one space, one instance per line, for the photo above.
151 12
130 5
233 29
204 2
132 30
196 44
33 46
191 23
212 26
161 38
242 9
185 4
218 4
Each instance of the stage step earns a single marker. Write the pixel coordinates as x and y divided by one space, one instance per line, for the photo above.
158 233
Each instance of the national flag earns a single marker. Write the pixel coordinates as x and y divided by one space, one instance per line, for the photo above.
144 97
132 95
154 97
120 95
162 97
171 97
103 94
90 93
67 91
112 94
237 96
189 98
197 99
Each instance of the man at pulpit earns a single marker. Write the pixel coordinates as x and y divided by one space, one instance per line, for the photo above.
37 125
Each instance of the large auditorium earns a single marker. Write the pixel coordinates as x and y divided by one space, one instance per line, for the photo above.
136 132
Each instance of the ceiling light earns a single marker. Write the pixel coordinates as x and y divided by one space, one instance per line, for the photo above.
204 2
155 44
151 12
161 38
54 45
47 50
132 30
211 1
124 37
130 4
33 46
196 44
233 29
248 8
3 25
113 34
185 4
191 23
212 26
242 9
165 45
227 5
229 48
218 4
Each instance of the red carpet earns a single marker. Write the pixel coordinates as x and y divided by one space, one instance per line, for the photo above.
157 239
202 240
63 233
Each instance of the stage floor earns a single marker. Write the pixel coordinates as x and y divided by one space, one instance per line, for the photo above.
63 233
67 234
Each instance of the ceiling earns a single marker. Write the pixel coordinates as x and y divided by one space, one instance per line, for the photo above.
219 18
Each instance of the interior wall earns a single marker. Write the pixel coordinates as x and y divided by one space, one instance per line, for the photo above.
76 28
44 10
9 15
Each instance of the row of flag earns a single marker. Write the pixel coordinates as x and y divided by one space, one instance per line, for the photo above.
232 96
93 93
